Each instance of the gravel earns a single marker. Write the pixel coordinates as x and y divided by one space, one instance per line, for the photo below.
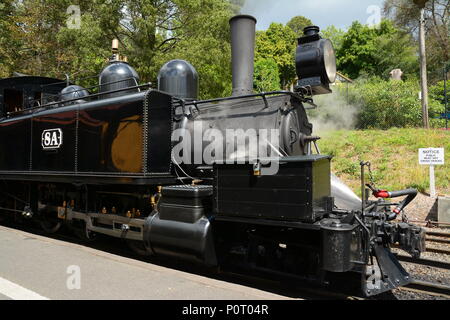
423 208
426 273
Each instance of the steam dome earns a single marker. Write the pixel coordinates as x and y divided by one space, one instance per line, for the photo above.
73 92
118 75
180 79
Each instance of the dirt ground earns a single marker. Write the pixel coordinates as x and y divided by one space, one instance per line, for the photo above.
422 208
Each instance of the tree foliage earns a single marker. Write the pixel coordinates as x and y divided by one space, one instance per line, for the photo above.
390 103
406 15
437 93
266 77
376 51
7 43
298 23
278 43
39 41
335 35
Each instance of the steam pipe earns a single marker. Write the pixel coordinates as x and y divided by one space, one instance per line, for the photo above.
243 53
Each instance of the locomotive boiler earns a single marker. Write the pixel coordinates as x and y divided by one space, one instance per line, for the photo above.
235 181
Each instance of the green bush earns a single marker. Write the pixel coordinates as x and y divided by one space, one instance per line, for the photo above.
437 95
387 104
266 77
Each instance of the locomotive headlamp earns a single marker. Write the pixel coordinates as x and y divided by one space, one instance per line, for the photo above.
315 61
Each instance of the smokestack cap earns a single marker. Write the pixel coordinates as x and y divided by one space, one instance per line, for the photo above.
311 30
243 16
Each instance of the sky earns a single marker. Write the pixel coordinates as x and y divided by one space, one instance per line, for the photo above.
340 13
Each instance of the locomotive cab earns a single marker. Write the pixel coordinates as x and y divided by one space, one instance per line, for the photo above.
25 92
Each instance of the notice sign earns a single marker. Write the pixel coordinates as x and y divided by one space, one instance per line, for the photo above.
431 156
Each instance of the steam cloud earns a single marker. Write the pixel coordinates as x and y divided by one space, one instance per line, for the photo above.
248 6
333 113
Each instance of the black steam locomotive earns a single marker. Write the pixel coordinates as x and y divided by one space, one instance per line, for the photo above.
152 167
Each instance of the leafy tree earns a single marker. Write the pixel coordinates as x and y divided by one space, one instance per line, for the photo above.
298 23
87 49
278 43
205 43
376 51
153 32
266 77
395 49
150 33
31 44
7 45
390 103
436 93
335 35
406 15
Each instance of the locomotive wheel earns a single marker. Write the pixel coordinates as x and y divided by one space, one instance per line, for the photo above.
137 247
49 222
50 226
82 232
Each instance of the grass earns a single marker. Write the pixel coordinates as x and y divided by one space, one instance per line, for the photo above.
393 154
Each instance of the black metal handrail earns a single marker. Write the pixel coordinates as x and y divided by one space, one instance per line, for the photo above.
55 96
255 95
146 85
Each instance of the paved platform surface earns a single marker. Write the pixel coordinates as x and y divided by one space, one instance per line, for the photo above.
2 297
36 267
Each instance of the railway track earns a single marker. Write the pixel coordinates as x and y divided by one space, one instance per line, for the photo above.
427 287
425 262
436 242
419 286
434 238
298 291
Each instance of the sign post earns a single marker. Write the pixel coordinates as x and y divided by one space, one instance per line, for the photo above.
431 157
432 183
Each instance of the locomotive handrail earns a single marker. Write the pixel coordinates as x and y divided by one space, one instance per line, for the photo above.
262 95
65 81
90 96
87 89
55 96
104 84
183 103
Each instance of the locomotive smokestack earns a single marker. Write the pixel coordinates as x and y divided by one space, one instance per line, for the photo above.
243 53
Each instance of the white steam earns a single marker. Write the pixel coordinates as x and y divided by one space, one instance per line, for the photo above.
333 112
255 7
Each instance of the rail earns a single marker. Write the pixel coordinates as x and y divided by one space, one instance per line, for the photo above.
428 287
